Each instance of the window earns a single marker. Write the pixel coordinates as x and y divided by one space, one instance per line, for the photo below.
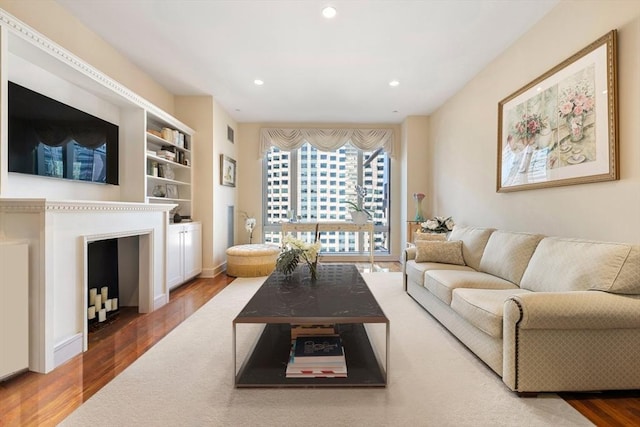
309 196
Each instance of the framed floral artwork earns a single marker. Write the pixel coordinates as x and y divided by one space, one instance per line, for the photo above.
227 171
562 128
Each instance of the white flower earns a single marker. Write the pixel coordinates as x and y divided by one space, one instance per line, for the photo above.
432 224
249 224
309 250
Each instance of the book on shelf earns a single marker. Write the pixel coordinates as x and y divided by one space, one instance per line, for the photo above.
318 349
316 375
328 360
306 329
336 370
320 346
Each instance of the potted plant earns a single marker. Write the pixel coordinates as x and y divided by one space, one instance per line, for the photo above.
359 214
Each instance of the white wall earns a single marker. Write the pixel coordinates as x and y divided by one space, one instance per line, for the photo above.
223 196
415 173
462 152
209 197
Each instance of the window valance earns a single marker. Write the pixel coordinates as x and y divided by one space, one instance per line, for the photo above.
326 139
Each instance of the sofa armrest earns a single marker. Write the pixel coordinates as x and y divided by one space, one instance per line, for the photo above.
409 253
572 310
571 341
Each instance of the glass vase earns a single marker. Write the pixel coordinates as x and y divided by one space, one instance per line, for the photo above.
575 122
313 270
418 199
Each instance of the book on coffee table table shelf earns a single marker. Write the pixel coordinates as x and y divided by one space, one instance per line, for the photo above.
317 356
307 329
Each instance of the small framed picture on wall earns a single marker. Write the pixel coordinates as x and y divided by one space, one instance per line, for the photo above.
230 133
227 171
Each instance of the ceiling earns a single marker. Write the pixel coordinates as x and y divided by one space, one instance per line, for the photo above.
314 69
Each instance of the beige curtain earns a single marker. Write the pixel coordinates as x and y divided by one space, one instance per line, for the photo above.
326 139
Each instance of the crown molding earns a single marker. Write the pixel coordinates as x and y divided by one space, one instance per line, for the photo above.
74 206
25 32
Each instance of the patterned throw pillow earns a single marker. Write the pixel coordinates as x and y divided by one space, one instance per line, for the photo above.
446 252
419 236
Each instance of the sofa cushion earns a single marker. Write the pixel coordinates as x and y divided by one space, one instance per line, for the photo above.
483 308
415 270
474 240
419 236
507 254
561 264
441 283
628 280
446 252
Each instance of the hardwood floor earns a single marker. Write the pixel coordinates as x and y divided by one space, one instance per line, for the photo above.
32 399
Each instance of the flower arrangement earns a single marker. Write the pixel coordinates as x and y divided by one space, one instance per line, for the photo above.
529 126
295 250
438 224
576 100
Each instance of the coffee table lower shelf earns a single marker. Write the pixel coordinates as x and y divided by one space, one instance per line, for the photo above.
266 365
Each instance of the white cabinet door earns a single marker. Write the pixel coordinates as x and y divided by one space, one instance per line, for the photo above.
14 307
184 253
174 256
192 250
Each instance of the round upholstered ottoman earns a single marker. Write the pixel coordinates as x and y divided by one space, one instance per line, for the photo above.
251 260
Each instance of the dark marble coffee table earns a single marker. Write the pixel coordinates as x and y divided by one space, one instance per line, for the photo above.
339 296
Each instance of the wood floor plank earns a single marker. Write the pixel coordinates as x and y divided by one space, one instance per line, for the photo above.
32 399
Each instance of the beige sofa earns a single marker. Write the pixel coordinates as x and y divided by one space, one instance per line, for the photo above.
545 313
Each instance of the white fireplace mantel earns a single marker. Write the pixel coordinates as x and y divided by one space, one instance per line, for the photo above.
57 232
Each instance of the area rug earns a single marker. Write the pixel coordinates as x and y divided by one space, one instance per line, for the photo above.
186 380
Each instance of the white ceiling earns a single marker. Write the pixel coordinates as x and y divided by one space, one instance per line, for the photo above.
314 69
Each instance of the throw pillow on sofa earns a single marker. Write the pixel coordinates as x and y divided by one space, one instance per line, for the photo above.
445 252
419 236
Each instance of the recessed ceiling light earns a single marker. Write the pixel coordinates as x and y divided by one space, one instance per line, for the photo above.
329 12
258 82
394 83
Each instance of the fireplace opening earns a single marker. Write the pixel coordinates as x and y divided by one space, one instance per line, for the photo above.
112 281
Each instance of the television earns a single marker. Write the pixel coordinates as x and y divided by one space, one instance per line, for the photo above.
49 138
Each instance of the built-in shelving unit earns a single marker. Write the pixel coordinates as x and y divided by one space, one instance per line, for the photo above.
168 164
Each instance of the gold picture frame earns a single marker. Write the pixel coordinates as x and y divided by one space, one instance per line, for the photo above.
562 128
227 171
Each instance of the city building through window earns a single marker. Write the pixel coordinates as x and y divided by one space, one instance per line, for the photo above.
309 185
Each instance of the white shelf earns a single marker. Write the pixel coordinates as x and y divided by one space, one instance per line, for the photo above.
181 174
161 141
166 161
166 180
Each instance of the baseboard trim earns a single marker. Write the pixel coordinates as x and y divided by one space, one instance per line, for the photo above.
160 300
67 349
210 273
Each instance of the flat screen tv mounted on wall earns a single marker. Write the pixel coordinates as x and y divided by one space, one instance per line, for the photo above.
49 138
